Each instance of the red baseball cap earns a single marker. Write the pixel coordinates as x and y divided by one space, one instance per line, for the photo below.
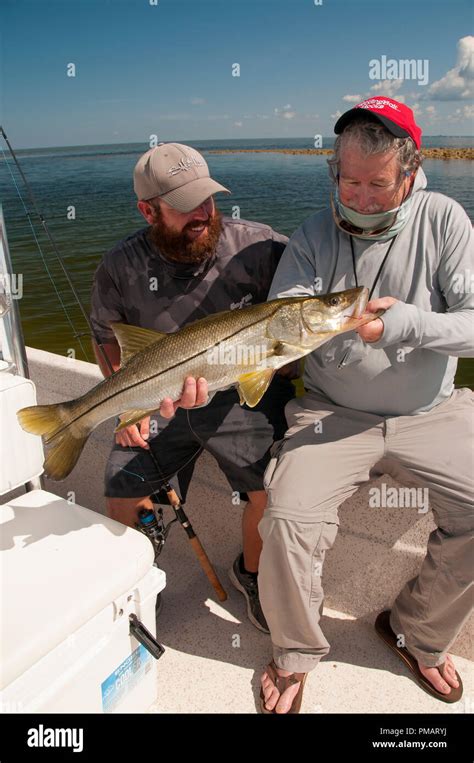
395 116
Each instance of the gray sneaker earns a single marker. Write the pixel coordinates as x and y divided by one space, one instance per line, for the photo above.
248 585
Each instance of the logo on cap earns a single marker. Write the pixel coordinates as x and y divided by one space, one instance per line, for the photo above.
185 164
377 103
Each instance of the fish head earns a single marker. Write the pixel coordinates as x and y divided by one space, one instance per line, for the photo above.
336 312
307 322
324 317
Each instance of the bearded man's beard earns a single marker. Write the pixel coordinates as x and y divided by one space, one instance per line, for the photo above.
179 248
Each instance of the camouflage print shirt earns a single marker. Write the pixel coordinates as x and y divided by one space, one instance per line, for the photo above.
135 284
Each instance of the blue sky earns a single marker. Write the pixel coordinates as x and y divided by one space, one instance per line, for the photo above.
166 69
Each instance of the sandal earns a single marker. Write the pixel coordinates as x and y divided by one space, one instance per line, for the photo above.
384 630
282 683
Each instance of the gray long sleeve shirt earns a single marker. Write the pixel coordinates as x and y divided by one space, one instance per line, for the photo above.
430 270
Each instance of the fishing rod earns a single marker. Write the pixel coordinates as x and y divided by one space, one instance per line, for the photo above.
56 251
172 496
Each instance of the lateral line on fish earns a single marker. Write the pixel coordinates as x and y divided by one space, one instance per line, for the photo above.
278 304
153 376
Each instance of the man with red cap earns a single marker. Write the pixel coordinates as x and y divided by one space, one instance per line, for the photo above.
384 401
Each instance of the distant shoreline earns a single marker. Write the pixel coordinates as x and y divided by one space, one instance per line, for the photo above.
428 153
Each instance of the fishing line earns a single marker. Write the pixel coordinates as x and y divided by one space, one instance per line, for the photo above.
76 295
41 252
51 240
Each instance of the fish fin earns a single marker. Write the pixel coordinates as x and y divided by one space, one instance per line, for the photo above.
44 420
132 417
62 457
65 443
365 318
378 314
133 339
253 386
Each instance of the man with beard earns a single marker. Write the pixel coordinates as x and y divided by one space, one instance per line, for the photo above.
188 263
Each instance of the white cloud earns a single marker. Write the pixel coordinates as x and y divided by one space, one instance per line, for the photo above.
390 88
458 83
352 98
462 114
283 113
336 115
430 116
286 112
197 101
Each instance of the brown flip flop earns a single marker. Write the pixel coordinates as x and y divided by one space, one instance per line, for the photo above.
282 683
383 629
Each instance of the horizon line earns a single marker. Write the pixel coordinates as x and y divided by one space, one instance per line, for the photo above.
194 140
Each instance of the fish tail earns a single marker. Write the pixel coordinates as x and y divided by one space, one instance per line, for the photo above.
64 437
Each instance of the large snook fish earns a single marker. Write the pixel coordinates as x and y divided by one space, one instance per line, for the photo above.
242 347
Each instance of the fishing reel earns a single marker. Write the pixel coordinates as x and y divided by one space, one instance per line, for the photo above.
152 524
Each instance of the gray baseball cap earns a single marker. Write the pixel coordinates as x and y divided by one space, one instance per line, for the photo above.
177 174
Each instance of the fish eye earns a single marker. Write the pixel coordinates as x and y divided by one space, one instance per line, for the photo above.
333 301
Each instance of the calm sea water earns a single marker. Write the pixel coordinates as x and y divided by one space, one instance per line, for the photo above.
279 189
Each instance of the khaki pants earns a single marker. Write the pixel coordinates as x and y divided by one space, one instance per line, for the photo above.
326 454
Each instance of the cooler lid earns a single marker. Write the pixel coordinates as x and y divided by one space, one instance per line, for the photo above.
60 564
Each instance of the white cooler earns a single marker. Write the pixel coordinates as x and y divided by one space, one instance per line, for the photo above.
78 594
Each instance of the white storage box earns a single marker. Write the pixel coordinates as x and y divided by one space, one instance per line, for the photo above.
70 578
21 452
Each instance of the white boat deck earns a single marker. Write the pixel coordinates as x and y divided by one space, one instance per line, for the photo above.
214 655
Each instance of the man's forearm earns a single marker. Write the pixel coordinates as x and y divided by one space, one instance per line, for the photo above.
447 333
